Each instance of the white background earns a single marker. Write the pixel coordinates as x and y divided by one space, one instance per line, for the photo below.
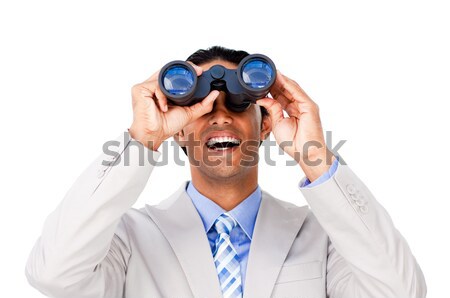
379 71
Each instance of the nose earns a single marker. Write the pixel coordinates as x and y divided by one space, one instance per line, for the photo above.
220 115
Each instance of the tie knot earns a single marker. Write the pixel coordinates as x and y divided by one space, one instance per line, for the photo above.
224 224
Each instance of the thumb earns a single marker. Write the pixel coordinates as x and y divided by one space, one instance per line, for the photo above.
203 107
273 107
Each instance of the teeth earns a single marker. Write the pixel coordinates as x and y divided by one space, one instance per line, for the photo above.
216 140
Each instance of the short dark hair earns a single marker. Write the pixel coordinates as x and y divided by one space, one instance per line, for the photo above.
203 56
217 53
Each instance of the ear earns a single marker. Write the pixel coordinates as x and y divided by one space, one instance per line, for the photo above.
266 127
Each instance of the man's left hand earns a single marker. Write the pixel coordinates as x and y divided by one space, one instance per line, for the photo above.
300 135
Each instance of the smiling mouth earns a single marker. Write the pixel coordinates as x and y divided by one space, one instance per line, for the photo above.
222 143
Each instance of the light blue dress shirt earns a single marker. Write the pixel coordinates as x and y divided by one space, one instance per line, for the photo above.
245 214
325 176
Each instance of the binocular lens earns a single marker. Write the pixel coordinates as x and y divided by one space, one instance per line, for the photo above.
178 80
257 73
250 80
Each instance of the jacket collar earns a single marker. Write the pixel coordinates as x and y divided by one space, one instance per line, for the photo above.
244 213
275 230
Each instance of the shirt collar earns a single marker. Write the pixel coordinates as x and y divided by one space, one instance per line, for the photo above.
244 213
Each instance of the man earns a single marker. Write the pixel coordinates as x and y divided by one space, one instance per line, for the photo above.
220 234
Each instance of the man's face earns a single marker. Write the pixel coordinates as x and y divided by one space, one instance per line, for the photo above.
224 144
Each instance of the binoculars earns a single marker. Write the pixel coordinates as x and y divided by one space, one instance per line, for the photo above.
251 80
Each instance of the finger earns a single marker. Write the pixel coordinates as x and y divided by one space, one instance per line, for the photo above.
290 107
198 69
273 107
147 105
162 99
146 88
292 111
153 109
287 105
151 90
203 107
290 89
279 96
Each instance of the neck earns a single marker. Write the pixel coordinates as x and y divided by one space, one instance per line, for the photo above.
225 192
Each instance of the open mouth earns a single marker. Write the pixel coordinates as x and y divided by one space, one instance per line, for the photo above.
222 143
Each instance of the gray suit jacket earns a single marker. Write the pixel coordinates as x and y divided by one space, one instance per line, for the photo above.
95 245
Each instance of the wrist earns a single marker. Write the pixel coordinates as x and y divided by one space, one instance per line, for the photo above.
148 141
316 164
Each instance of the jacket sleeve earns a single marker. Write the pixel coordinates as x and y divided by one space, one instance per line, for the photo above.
83 249
367 256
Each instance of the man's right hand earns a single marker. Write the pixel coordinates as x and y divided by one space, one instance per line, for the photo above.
154 121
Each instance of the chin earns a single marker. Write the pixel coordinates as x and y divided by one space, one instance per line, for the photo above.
225 172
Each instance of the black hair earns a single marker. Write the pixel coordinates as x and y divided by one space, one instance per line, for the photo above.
203 56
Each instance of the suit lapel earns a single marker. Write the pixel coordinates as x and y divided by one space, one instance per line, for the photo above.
180 223
275 230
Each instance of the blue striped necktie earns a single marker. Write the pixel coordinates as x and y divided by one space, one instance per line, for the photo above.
226 258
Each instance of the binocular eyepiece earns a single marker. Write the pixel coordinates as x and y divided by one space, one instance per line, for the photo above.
251 80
